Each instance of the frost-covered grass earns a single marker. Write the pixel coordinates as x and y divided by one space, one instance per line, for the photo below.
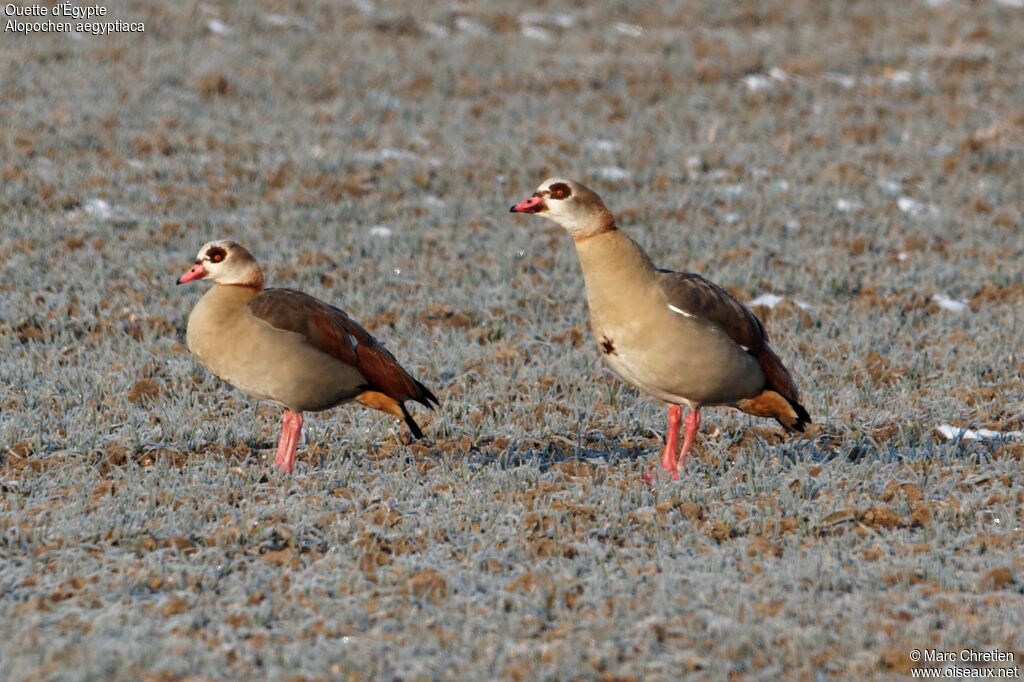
852 168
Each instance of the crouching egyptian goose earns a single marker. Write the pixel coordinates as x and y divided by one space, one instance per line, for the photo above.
674 335
289 348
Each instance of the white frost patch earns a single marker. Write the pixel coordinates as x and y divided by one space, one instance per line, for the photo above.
536 33
950 432
915 208
603 145
432 202
219 27
385 100
890 186
388 154
767 300
732 191
898 76
1015 4
435 30
680 311
780 186
629 30
467 25
761 81
847 205
756 82
283 21
951 304
380 231
613 173
545 19
99 208
841 79
772 300
731 218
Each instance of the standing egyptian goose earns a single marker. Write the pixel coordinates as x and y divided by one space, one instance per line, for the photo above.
289 348
674 335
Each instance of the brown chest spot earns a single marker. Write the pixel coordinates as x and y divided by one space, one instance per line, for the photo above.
607 346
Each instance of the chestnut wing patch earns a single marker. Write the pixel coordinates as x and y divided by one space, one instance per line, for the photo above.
331 331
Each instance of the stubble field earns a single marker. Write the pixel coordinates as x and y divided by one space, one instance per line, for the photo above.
862 161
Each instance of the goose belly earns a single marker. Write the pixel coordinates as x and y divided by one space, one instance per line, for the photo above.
696 364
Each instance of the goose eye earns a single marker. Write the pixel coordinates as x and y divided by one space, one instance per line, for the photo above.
559 190
216 254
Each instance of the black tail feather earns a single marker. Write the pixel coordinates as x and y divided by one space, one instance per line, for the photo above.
425 397
803 418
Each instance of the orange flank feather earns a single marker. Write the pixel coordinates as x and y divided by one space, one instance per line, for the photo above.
771 404
379 401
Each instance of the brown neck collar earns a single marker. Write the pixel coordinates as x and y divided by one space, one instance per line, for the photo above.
607 227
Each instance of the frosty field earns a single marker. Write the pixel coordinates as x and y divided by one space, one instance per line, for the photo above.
854 168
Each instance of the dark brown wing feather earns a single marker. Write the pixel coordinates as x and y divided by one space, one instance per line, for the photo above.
705 299
332 331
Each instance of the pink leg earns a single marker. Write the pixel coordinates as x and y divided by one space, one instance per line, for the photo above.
668 456
692 426
282 441
291 429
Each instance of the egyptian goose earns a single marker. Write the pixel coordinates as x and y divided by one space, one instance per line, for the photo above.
674 335
289 348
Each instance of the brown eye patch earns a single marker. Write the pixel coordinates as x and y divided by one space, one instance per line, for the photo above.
560 190
216 254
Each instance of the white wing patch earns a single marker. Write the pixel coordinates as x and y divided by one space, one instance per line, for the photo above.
680 311
353 341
